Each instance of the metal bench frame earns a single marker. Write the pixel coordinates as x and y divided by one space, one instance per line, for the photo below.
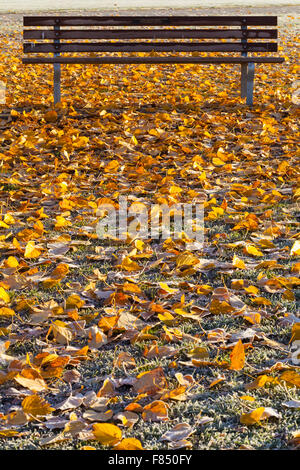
240 31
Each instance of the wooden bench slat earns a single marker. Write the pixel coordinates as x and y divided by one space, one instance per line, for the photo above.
148 47
151 60
150 33
150 20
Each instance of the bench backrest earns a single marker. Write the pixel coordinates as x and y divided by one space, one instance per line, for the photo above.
128 29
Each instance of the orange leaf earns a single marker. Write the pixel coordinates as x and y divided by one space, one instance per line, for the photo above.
156 411
237 356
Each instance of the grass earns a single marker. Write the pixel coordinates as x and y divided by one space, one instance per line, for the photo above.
222 403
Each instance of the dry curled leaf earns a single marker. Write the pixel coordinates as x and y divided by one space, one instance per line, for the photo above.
177 433
150 382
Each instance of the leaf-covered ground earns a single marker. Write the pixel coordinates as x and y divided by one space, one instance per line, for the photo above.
140 343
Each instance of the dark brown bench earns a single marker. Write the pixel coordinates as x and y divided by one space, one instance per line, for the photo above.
234 35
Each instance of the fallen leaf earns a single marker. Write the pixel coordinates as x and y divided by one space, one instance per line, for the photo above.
107 434
36 406
237 356
156 411
177 433
129 443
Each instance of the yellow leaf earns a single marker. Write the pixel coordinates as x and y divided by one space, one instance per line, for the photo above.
220 307
129 265
261 381
134 140
62 222
4 433
247 398
237 356
166 288
253 317
6 312
166 318
216 381
4 295
36 406
9 219
3 224
204 289
140 245
238 263
222 154
251 290
186 259
250 222
217 161
253 417
271 263
291 378
14 113
74 301
106 433
252 250
11 262
261 301
175 190
31 251
202 176
130 443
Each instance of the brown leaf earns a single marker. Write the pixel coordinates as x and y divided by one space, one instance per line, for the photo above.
150 382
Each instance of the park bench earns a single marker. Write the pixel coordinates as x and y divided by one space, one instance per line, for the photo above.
237 36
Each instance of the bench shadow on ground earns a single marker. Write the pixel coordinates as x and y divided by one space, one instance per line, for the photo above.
150 108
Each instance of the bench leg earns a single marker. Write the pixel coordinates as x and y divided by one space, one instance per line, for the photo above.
57 93
250 83
244 72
